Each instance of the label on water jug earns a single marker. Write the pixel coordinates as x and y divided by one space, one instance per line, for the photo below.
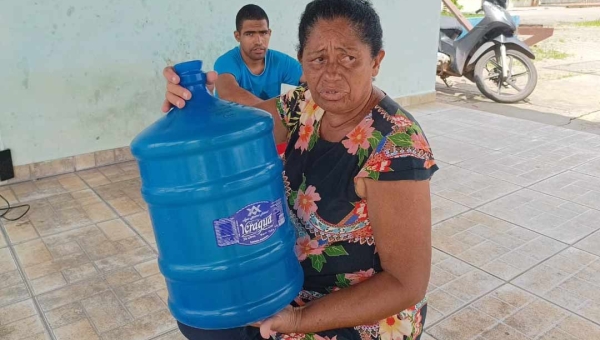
253 224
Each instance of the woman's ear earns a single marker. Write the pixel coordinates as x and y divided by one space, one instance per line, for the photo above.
377 62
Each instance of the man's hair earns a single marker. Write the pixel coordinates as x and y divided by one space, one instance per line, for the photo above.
249 12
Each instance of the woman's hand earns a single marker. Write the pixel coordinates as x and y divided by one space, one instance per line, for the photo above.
177 95
287 321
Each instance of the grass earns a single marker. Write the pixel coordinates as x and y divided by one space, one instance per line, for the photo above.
549 53
593 23
467 15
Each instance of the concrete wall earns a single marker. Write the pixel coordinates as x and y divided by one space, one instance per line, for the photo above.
81 76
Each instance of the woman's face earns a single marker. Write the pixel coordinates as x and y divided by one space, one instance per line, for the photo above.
338 66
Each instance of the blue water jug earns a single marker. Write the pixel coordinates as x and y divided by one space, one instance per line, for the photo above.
213 182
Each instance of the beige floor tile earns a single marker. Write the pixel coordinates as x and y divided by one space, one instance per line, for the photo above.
105 311
570 280
452 151
164 296
7 263
176 335
541 279
466 324
122 276
118 173
454 285
17 311
3 242
591 310
32 253
125 259
10 278
13 294
71 182
83 272
144 328
556 334
536 318
142 224
140 288
145 305
20 232
499 247
8 194
579 328
93 178
503 332
22 329
72 293
590 244
554 217
573 186
65 315
442 209
125 206
54 266
116 230
494 307
591 168
76 331
148 268
47 283
99 212
469 188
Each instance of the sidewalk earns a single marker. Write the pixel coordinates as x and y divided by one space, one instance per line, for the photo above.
516 236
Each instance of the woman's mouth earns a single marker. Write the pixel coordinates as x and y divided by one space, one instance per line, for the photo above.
331 95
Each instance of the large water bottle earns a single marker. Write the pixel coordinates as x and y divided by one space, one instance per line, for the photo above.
213 182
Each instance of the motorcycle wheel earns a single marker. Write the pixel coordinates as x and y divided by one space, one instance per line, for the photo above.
489 80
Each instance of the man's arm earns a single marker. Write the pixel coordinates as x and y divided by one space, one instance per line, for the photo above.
229 89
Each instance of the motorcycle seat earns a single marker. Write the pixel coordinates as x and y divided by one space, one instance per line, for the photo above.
450 25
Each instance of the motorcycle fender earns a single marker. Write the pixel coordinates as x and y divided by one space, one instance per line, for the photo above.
510 42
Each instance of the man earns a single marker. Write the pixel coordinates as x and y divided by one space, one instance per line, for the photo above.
250 72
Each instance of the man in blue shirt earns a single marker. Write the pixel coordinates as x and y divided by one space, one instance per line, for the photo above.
251 72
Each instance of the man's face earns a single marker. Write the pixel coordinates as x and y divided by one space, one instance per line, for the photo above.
254 38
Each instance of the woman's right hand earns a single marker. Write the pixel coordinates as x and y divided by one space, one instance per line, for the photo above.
176 95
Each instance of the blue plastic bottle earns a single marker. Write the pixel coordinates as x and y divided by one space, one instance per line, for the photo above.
213 182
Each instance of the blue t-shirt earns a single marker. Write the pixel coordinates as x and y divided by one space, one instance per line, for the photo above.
280 68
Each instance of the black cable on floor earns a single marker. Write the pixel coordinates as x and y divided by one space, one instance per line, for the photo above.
5 210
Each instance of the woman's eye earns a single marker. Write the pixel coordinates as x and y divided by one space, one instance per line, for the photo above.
349 58
319 60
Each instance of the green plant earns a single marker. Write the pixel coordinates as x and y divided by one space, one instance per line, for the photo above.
593 23
455 2
548 53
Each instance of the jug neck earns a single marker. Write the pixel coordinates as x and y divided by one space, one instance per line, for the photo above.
194 80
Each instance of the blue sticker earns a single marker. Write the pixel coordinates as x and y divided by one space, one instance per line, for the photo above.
251 225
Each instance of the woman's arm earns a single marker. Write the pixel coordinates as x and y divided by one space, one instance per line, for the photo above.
400 214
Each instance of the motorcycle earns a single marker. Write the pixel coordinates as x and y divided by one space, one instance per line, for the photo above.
490 55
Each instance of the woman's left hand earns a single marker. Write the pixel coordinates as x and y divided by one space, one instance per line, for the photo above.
287 321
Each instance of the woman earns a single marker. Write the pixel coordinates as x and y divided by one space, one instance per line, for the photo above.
357 176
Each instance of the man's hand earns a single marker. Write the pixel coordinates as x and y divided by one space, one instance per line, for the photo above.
176 95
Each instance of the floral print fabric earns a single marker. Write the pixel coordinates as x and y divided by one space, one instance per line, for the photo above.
335 243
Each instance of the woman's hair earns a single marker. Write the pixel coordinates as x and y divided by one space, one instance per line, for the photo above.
360 13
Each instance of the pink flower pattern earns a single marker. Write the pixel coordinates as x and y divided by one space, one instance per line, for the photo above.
305 246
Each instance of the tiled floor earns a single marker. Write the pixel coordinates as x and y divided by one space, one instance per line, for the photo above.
516 236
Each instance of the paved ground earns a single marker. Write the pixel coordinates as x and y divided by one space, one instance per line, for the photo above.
553 16
568 88
516 236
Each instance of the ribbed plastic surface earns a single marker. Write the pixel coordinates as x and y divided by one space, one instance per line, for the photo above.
213 182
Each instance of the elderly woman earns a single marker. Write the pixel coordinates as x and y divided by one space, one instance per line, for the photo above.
357 170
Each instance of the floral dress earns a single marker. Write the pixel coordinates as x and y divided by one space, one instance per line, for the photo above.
335 241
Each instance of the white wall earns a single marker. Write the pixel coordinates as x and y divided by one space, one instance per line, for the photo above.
82 76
